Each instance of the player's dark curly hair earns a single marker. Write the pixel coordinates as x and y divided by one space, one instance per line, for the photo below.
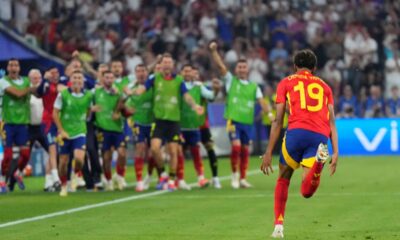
305 59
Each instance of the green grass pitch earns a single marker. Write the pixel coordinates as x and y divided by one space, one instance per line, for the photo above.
362 201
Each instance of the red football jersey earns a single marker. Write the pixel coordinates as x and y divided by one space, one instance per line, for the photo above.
308 97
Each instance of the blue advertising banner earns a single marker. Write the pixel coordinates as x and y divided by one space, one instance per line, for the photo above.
368 136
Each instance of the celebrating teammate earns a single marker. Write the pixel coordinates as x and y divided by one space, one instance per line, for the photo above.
239 112
70 112
16 116
141 120
311 123
110 126
168 89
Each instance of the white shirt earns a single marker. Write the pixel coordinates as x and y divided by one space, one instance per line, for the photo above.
45 6
132 62
21 14
205 92
36 110
257 70
102 49
228 83
134 4
207 27
113 12
5 10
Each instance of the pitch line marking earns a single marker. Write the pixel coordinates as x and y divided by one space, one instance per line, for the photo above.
103 204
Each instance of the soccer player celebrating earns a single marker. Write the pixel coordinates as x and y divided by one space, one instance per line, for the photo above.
190 123
239 112
168 89
48 91
70 112
142 120
311 123
16 116
110 126
205 132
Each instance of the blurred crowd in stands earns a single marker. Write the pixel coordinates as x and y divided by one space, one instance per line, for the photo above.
356 41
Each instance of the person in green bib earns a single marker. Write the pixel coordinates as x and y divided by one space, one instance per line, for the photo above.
190 123
242 96
168 92
15 91
110 125
71 109
141 122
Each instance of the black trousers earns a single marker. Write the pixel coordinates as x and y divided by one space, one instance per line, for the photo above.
92 168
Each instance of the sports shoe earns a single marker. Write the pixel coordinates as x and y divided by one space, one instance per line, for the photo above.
183 185
3 187
203 182
322 153
118 182
278 231
19 180
171 186
109 186
64 191
57 186
216 183
162 183
146 182
244 183
100 185
235 180
139 186
124 183
80 182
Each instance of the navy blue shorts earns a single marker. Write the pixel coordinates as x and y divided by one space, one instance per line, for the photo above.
128 133
16 135
191 137
299 147
142 133
70 145
109 140
240 131
51 133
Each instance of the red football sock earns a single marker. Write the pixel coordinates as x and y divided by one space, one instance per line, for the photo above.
244 162
311 181
281 195
198 164
139 162
24 156
107 174
181 167
235 156
151 165
5 164
121 170
63 180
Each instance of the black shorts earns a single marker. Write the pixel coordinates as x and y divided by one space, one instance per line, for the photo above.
168 131
205 135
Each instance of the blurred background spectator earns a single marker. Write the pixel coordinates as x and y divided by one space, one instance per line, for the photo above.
358 50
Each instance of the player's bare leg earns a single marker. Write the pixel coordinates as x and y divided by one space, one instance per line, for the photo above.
120 168
244 163
79 159
107 158
281 195
235 159
173 148
311 176
157 155
140 152
63 172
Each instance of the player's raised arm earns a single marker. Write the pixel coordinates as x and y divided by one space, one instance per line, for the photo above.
217 58
334 139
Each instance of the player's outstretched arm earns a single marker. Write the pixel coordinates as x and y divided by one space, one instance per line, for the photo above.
19 93
217 58
266 108
276 128
334 139
190 101
57 121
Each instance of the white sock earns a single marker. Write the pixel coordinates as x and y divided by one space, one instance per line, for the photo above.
201 177
48 182
2 179
54 174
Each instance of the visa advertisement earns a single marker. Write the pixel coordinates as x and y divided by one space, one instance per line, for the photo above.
368 136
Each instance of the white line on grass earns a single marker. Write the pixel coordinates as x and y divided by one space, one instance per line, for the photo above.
103 204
